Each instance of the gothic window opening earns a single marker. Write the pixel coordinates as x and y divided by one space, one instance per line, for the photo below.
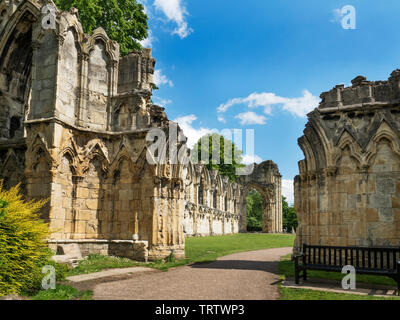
201 194
15 125
215 199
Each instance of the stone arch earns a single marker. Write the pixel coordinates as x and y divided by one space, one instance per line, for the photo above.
347 162
313 148
15 68
347 142
70 77
122 214
64 208
267 180
12 169
39 175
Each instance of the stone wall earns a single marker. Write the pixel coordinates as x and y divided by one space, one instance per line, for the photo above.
74 117
212 203
267 180
348 190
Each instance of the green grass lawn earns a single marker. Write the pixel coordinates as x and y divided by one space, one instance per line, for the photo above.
304 294
63 292
286 269
210 248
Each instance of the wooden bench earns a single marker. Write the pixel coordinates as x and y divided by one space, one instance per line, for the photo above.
384 261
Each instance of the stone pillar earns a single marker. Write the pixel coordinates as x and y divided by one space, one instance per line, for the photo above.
267 221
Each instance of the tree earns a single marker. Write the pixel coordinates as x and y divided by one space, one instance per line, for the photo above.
289 216
123 20
224 166
254 211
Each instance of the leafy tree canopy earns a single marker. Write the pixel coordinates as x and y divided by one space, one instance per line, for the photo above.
289 216
254 211
226 167
123 20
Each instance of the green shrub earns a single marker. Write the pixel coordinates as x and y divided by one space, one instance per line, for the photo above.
23 250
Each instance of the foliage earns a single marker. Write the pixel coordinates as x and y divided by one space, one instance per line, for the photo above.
63 292
23 250
123 20
289 216
225 167
3 206
171 258
254 211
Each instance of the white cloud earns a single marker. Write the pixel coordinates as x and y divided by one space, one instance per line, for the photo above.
251 118
148 42
193 134
175 11
251 159
161 101
161 79
288 191
296 106
303 105
221 119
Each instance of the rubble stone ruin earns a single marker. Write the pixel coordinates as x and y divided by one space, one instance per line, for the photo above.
348 190
74 117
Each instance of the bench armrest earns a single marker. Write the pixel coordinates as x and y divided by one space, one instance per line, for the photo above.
297 256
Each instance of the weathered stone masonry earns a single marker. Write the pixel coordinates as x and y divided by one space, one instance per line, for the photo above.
74 117
348 190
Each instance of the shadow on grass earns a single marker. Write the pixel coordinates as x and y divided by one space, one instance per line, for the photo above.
267 266
286 268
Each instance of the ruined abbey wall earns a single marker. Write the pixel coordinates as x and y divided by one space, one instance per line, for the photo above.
348 190
212 204
74 120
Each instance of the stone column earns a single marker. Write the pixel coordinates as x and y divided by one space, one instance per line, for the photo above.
267 222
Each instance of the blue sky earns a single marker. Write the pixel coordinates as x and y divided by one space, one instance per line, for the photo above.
262 65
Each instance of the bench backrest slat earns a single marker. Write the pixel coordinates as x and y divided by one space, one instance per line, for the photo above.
361 257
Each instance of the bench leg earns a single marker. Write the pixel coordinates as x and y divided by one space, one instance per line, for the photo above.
304 274
296 270
398 278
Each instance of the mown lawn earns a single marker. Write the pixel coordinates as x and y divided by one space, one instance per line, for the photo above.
304 294
286 269
63 292
210 248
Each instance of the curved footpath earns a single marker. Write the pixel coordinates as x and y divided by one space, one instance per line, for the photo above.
239 276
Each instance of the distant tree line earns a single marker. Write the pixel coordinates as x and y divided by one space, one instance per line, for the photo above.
254 213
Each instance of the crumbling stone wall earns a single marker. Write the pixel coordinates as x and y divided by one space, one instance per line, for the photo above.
216 206
267 180
211 203
74 117
348 189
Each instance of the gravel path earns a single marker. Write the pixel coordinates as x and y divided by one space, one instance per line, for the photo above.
240 276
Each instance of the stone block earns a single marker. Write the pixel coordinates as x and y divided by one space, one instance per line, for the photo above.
372 215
